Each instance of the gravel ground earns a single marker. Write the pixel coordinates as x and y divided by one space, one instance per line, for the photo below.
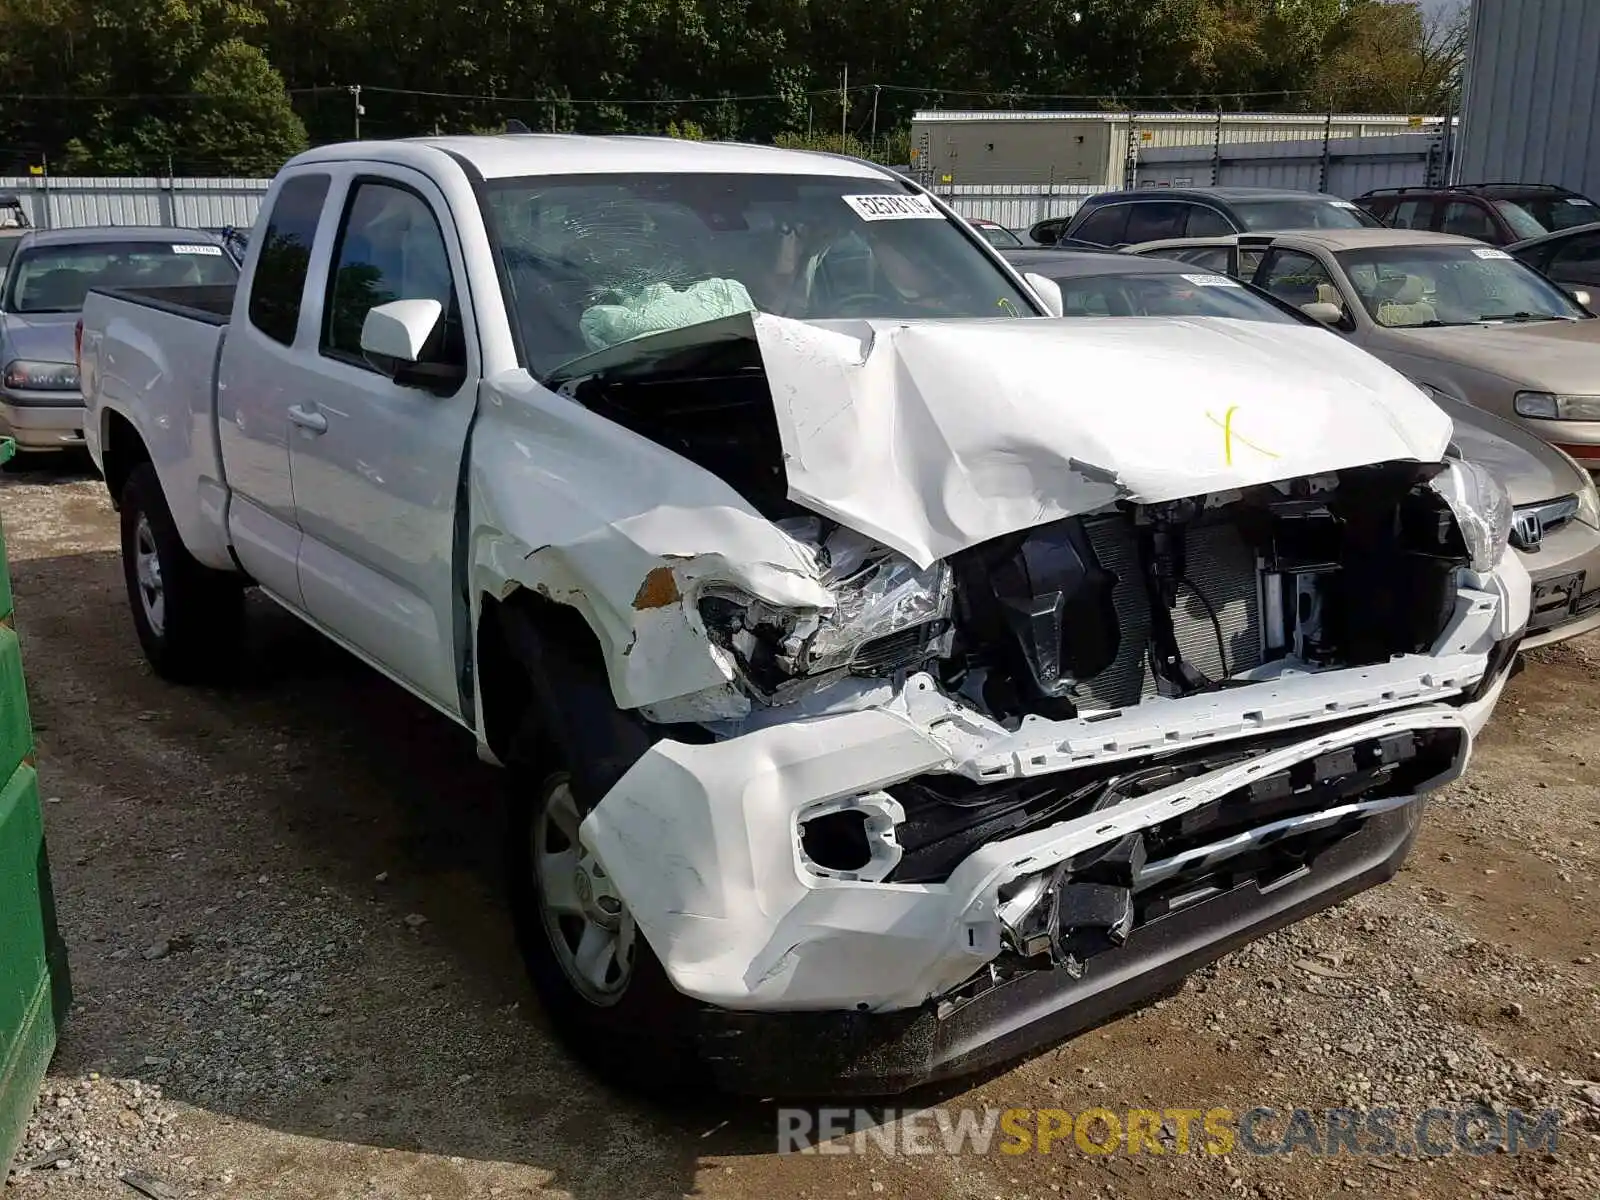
294 976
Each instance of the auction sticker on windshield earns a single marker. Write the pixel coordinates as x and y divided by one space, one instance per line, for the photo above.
1490 252
183 249
1212 281
893 208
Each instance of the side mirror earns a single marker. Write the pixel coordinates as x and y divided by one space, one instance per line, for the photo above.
1048 291
393 337
400 329
1321 310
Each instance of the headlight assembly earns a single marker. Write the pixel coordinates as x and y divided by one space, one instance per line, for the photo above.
888 615
1550 406
1588 495
1481 508
23 375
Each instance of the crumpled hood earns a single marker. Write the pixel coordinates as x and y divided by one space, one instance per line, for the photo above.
933 436
1547 356
43 337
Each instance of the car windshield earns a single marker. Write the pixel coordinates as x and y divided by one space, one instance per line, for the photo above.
1310 213
55 279
1555 212
999 236
590 261
1409 286
1197 293
1523 223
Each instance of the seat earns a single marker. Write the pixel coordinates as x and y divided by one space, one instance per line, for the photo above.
1328 294
1404 304
61 290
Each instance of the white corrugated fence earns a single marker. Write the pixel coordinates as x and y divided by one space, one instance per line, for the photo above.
71 202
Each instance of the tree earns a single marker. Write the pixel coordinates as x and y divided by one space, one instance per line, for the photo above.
1389 57
244 124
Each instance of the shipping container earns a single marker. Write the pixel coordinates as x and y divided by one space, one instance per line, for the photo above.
1530 91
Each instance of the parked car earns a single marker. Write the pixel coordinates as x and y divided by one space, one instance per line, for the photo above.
865 699
1571 257
1146 214
994 233
1497 213
1466 319
1557 523
43 291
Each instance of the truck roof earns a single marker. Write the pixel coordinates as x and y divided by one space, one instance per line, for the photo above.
502 156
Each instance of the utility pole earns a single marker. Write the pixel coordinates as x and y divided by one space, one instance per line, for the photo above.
355 92
844 109
876 88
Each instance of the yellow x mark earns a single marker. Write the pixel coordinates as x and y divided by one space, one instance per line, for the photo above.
1229 436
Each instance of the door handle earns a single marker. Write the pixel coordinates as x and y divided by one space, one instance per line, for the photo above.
311 422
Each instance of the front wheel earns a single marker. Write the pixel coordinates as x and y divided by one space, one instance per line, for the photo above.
188 617
602 987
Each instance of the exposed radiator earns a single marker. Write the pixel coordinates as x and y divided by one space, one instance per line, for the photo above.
1220 565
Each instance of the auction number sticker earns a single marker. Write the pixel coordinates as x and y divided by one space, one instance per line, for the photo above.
894 208
1490 252
216 251
1580 202
1342 204
1212 281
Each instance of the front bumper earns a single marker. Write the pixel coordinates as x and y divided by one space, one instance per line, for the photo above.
852 1053
705 844
1565 571
35 426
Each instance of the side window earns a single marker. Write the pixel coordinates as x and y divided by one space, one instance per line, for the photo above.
1048 233
1152 220
390 248
1578 261
280 277
1468 219
1296 278
1207 222
1411 214
1105 226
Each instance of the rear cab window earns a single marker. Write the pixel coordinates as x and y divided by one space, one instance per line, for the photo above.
278 285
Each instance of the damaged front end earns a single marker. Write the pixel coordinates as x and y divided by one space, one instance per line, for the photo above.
1010 774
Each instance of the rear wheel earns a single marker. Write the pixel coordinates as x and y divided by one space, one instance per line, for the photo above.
189 618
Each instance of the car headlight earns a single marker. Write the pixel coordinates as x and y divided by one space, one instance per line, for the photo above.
1482 510
24 375
889 614
1588 494
1553 406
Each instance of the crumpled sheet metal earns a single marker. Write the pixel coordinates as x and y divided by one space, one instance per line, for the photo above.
934 436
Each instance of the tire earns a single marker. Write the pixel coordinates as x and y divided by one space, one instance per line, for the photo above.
189 618
639 1035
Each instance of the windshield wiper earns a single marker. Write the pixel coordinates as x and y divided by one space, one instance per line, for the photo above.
1518 317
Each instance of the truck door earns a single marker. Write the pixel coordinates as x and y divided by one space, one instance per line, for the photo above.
271 332
376 465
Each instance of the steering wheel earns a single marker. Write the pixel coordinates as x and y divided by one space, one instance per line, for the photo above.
844 306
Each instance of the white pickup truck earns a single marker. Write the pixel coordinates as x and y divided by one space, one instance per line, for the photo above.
892 679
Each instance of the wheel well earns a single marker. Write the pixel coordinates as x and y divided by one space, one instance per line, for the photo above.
121 449
504 671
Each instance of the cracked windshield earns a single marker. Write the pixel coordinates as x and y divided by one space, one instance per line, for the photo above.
592 262
1430 286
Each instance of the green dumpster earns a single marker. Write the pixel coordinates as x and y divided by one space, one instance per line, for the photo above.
34 988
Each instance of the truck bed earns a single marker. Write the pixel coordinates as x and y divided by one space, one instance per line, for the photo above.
208 302
151 354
